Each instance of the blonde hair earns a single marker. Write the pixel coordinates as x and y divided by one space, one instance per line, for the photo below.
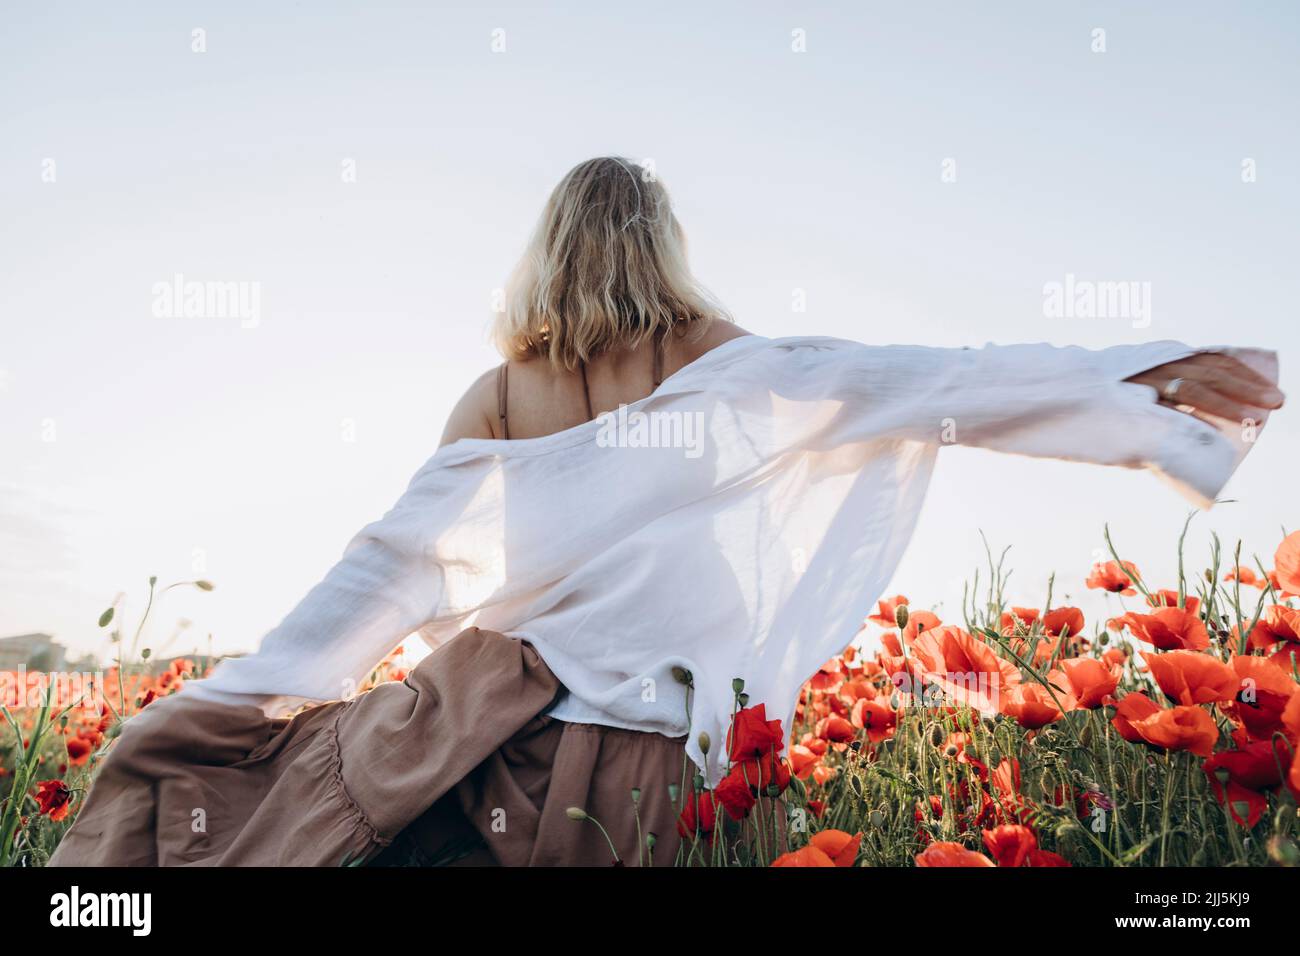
606 268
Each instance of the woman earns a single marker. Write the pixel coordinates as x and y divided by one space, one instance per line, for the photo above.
643 504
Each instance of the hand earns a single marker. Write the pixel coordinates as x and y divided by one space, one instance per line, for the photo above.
1214 384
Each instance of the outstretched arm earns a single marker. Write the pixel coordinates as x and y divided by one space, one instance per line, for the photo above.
1126 405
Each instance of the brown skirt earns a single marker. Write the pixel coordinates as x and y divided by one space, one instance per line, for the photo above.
458 764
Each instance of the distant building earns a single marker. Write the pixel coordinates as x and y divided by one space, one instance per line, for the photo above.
33 652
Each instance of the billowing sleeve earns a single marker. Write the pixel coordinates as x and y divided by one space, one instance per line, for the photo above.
387 584
1044 401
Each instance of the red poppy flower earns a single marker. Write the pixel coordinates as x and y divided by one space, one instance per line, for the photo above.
739 790
838 845
802 761
835 729
700 813
1282 623
891 643
1190 677
1115 656
1032 705
816 744
735 794
1179 728
967 670
1063 620
945 854
823 774
875 717
1038 857
1255 766
1263 693
828 678
887 613
753 735
1010 843
1167 628
1253 769
1089 680
79 750
1291 721
54 799
1110 577
919 622
858 689
806 856
1286 563
1247 577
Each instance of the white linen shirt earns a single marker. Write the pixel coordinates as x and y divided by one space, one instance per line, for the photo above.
752 548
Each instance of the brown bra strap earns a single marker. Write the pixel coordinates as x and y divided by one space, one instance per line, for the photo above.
586 392
659 358
503 383
501 398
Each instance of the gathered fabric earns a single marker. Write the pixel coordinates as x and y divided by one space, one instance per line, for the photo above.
737 523
191 782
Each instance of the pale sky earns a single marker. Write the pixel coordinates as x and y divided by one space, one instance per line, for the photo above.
133 445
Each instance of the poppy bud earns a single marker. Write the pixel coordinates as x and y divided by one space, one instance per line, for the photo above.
900 616
877 819
636 794
651 840
576 813
743 699
1221 774
704 743
697 783
1104 639
682 675
936 735
674 792
950 750
737 685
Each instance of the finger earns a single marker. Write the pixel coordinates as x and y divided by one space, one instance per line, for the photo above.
1235 379
1205 399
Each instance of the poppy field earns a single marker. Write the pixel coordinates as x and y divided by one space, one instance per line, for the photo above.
1164 735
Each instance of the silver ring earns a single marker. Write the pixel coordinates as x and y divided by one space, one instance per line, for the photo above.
1170 391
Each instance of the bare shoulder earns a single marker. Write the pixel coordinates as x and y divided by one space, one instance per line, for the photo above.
715 334
476 411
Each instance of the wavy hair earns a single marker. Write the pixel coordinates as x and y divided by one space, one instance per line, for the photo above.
606 268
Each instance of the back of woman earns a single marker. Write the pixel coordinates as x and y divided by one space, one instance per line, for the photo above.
641 534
